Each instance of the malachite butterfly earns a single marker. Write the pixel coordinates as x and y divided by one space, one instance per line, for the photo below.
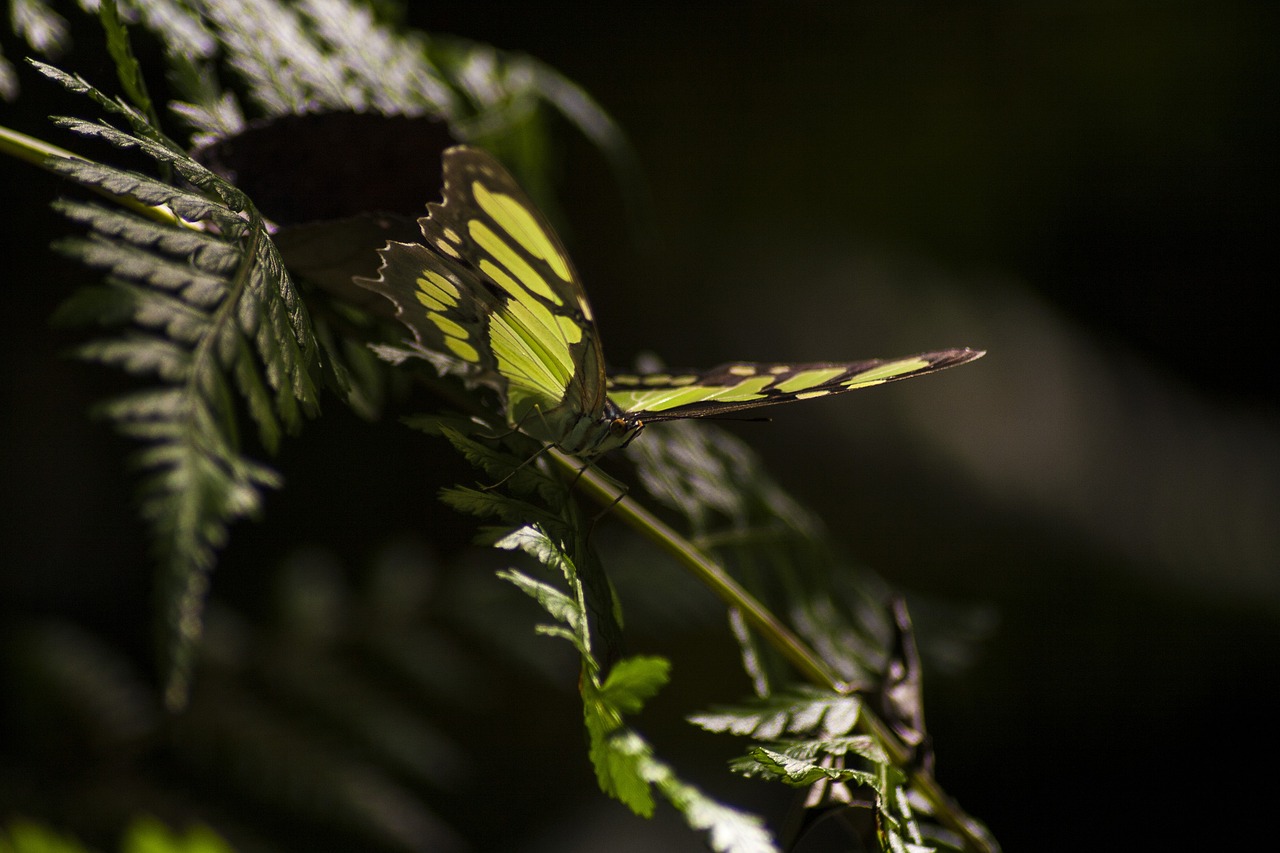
492 290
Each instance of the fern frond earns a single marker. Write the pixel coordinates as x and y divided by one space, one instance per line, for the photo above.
182 32
211 112
822 740
139 122
830 759
267 44
394 73
491 504
166 153
8 78
141 354
205 251
801 710
209 312
776 546
293 58
584 613
147 191
520 475
762 762
128 70
43 29
123 259
328 55
625 765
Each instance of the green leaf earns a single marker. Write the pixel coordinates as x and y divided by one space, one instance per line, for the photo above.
189 206
148 835
797 772
491 504
393 71
796 712
206 252
618 755
127 68
864 746
625 766
541 547
141 264
633 681
25 836
164 152
257 399
729 830
830 757
136 353
561 607
181 31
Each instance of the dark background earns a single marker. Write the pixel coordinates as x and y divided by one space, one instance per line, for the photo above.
1083 189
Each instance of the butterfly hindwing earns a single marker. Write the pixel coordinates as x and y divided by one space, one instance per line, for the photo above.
741 385
493 288
447 308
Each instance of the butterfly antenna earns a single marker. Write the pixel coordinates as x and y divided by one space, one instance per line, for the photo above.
753 419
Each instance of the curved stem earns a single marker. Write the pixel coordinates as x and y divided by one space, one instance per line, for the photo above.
716 578
772 630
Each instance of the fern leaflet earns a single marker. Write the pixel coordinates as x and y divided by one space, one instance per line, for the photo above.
625 765
209 314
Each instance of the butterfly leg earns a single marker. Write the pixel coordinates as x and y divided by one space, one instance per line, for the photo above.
514 470
623 490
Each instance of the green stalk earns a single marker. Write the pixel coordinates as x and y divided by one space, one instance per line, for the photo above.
42 154
716 578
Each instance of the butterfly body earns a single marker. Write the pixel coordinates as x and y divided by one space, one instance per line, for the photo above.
493 291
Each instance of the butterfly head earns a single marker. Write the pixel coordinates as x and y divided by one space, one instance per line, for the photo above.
623 429
613 430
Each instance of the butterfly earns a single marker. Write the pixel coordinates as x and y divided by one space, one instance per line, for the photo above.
492 291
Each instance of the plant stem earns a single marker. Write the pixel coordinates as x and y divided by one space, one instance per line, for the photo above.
772 630
41 153
721 583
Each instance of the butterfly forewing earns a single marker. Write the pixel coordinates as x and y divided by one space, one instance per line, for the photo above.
747 385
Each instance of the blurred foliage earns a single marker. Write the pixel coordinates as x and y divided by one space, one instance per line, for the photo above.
144 835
